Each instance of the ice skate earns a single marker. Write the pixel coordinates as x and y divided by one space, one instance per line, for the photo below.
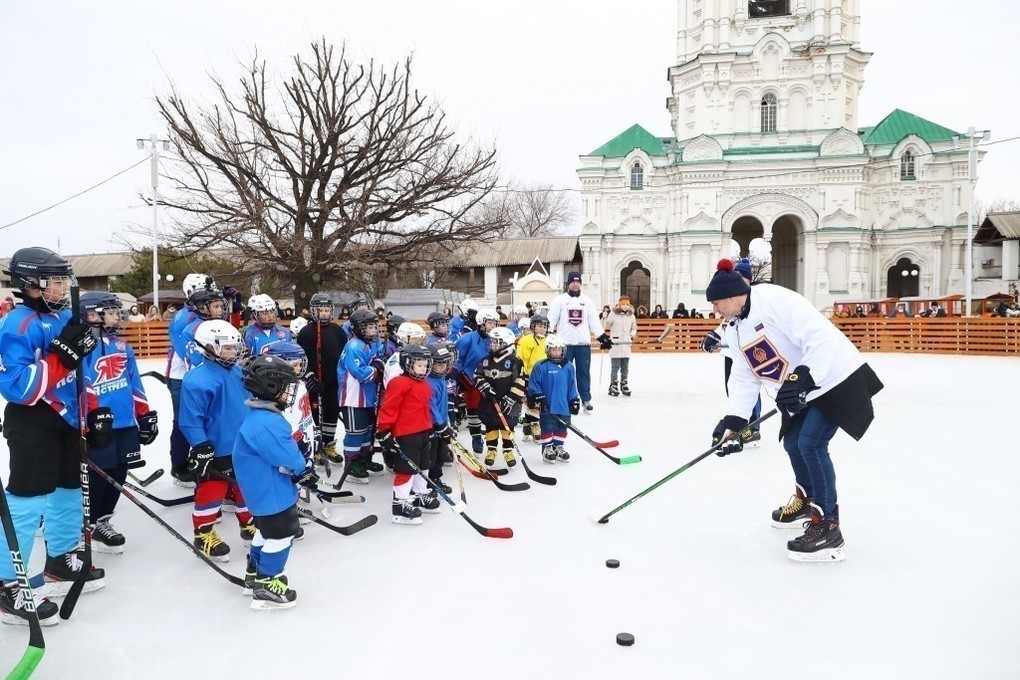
209 542
624 388
446 488
375 469
793 514
549 453
405 511
614 389
587 407
13 610
477 443
428 502
61 571
358 472
490 457
272 592
509 457
561 454
248 532
822 541
250 574
181 476
106 539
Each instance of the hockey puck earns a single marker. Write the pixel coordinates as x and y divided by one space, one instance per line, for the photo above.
613 564
624 639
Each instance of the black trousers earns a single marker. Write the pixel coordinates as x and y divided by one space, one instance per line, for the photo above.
44 450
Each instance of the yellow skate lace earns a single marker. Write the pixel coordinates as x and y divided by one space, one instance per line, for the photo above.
209 541
794 506
274 585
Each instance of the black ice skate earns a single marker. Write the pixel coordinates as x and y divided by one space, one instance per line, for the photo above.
248 532
750 438
180 475
405 512
439 482
14 608
61 571
549 453
375 469
209 542
272 592
821 542
793 514
562 455
587 407
624 388
106 539
358 472
250 574
428 502
614 389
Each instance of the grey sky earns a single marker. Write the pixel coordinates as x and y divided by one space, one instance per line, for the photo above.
546 80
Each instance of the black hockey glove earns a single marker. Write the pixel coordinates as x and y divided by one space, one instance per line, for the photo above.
388 443
444 431
536 400
307 478
507 405
575 406
311 384
605 342
379 365
74 343
134 460
711 342
792 394
485 389
100 428
147 428
199 459
729 425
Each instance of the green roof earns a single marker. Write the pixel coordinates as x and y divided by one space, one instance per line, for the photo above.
635 137
899 124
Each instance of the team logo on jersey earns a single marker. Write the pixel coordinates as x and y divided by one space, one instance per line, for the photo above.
110 367
575 317
765 360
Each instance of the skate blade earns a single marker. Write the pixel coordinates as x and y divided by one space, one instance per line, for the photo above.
562 460
266 605
107 549
183 485
432 511
220 558
15 620
827 555
790 526
408 521
58 589
357 480
373 473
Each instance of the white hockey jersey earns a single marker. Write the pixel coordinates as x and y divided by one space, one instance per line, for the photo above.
784 331
575 319
299 415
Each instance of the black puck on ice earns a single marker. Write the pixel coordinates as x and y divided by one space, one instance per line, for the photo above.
613 564
624 639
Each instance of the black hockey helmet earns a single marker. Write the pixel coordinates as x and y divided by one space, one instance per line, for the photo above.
38 269
539 320
359 302
270 378
436 318
440 355
362 319
408 357
99 302
202 299
321 306
393 322
454 352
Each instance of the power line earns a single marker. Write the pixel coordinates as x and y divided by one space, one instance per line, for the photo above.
83 191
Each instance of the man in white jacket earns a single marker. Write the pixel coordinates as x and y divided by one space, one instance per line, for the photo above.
575 318
820 382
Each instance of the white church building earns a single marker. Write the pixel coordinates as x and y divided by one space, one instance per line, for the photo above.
766 144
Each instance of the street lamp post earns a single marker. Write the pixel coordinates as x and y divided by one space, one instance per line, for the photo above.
153 143
973 137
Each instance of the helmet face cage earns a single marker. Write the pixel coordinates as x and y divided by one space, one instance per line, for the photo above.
556 349
267 377
226 351
56 291
323 312
500 339
539 326
439 323
358 303
208 303
362 322
441 361
484 317
107 317
416 362
454 353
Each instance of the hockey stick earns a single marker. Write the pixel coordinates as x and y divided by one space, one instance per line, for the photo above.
460 477
619 461
165 502
483 473
148 480
173 532
36 644
665 332
69 603
457 507
318 398
155 374
549 481
605 518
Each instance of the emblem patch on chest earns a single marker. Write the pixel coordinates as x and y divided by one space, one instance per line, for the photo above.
575 317
765 361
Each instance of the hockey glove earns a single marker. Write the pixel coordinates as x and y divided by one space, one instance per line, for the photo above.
134 460
485 389
711 342
444 431
147 428
311 383
536 400
308 478
74 343
379 365
387 442
792 394
199 459
507 405
100 428
575 406
605 342
728 425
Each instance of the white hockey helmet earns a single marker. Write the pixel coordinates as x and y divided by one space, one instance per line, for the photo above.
520 311
297 324
409 333
501 338
261 303
486 314
466 305
220 342
193 282
556 342
524 324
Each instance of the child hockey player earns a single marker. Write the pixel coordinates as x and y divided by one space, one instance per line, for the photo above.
407 334
265 330
531 350
115 395
41 346
299 412
552 391
440 325
468 319
499 379
212 410
472 347
269 469
357 304
359 374
622 329
323 342
520 312
295 327
442 430
405 426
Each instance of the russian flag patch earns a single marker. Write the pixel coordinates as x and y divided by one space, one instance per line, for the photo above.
759 327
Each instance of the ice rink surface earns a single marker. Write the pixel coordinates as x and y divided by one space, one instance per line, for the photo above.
930 588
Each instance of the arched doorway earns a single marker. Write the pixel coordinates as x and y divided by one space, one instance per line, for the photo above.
787 252
904 279
636 283
745 230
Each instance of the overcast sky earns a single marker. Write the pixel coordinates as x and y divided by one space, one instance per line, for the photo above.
546 80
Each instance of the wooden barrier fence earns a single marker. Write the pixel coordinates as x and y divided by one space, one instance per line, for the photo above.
952 335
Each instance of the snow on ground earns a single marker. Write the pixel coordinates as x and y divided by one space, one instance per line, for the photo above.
929 588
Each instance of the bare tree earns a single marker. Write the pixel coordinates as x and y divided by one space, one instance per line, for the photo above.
325 177
534 210
1000 204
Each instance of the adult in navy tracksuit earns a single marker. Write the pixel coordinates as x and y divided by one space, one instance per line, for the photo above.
358 376
212 410
269 466
472 347
442 430
552 390
112 383
40 349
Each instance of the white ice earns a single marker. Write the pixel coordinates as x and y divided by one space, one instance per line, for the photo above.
929 589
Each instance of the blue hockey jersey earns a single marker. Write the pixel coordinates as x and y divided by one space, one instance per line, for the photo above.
184 354
457 327
439 404
557 382
471 349
212 406
112 380
258 338
355 375
266 458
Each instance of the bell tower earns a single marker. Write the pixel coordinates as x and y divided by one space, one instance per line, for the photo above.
749 68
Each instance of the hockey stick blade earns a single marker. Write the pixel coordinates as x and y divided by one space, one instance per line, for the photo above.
611 444
155 374
662 337
630 460
548 481
505 532
331 494
165 502
148 480
519 486
350 529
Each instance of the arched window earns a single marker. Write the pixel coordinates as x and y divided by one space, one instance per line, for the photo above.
908 165
767 8
769 107
637 176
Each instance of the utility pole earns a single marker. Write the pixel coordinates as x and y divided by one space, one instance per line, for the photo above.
153 145
973 137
